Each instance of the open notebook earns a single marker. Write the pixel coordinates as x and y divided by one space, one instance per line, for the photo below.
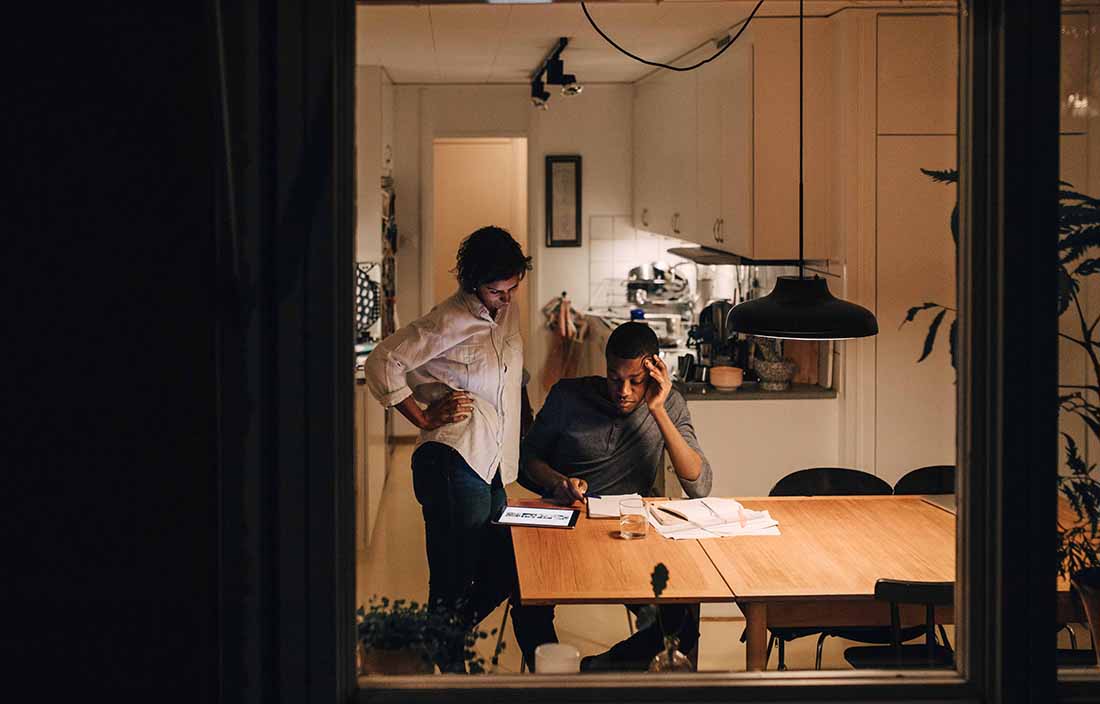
693 519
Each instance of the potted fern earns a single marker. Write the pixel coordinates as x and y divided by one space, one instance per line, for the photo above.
1078 261
406 638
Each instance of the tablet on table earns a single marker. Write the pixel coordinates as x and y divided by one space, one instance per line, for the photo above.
537 517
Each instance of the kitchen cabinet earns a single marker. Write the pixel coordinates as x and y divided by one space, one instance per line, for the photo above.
370 464
776 136
665 155
724 147
716 149
917 74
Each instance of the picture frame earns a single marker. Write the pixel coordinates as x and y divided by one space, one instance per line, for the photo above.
563 200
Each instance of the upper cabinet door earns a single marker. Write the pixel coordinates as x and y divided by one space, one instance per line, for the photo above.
709 148
676 136
918 58
646 157
775 147
735 227
777 139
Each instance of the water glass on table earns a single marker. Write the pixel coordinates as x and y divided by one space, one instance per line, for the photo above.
632 519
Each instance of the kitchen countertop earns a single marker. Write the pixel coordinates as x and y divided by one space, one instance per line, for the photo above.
752 392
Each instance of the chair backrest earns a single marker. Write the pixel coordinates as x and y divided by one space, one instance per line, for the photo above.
937 479
899 591
830 481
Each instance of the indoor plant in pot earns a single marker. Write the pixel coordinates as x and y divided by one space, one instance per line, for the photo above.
406 638
1078 261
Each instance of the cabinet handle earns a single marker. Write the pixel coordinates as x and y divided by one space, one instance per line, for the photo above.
721 229
645 216
676 223
714 230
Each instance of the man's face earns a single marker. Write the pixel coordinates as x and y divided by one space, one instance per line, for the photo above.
627 382
496 295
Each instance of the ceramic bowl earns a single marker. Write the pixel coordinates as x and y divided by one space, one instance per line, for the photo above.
726 378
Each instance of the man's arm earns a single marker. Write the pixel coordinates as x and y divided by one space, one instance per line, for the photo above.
685 460
535 472
560 488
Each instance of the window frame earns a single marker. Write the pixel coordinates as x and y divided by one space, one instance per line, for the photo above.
293 94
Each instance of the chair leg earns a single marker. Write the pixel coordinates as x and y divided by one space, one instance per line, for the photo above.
500 634
1072 636
820 644
768 653
782 655
943 634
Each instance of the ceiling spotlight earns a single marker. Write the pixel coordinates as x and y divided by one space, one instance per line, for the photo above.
539 95
573 88
556 75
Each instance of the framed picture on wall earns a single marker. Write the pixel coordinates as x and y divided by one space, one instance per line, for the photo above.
563 201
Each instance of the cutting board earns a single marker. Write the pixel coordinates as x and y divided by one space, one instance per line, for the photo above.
806 354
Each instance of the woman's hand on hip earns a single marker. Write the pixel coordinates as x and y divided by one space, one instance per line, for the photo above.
452 408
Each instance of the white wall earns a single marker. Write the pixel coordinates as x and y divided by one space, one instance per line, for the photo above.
373 139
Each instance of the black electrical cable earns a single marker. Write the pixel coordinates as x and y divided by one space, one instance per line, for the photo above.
658 64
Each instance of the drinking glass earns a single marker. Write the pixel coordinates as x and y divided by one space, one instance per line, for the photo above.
632 519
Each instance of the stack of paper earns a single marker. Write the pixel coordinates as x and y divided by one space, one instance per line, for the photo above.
607 506
695 519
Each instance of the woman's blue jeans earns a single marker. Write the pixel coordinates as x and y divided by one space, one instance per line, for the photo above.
467 556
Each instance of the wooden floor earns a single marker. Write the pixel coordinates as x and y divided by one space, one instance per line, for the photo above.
395 566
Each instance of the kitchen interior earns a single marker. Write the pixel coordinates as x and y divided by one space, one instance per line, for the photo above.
688 206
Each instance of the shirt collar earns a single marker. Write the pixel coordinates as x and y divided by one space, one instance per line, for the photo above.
476 307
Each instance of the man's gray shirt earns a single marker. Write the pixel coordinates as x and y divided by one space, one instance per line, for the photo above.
580 433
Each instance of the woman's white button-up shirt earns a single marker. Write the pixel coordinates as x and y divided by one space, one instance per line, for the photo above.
458 346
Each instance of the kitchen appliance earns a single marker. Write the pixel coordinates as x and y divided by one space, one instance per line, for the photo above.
717 345
712 336
656 283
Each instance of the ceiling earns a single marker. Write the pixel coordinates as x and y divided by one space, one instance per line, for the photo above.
495 43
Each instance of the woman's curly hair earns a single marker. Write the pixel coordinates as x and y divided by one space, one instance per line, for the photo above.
489 254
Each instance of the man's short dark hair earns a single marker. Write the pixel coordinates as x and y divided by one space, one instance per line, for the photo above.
632 340
489 254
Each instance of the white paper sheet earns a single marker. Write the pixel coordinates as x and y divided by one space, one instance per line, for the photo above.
698 519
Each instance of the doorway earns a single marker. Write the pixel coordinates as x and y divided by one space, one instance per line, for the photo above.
476 182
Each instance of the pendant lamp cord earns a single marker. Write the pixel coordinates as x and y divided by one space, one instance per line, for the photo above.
801 259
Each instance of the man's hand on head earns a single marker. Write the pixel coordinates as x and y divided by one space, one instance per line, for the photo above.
660 383
568 490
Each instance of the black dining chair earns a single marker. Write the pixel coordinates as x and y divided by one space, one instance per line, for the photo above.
820 481
935 479
830 481
929 654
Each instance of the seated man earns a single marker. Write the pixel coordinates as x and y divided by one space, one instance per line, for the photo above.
607 436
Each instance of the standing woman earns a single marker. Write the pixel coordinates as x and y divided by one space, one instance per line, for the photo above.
464 361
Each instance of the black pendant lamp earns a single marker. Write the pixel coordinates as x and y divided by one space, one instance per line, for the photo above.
801 307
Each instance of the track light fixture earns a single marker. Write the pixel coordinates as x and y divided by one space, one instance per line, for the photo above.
539 95
554 69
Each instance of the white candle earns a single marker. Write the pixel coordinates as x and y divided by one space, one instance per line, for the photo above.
557 658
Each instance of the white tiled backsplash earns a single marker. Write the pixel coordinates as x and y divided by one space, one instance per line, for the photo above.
616 248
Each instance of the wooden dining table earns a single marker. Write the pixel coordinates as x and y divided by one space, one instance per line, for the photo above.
822 568
820 571
591 564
